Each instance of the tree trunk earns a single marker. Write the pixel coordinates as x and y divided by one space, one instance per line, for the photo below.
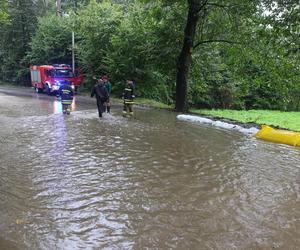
184 59
58 8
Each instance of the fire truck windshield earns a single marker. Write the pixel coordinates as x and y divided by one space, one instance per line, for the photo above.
64 73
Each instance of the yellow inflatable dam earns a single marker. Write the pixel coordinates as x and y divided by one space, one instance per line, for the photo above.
279 136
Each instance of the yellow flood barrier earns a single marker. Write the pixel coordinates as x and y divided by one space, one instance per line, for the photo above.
279 136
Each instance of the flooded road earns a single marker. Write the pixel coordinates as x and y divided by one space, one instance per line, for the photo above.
150 182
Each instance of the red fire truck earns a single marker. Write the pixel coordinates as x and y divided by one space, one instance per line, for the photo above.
47 78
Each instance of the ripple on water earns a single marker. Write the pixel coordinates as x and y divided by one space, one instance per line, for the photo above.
147 182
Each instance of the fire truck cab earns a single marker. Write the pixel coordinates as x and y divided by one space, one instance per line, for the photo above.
48 78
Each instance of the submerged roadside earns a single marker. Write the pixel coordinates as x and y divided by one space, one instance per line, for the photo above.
243 118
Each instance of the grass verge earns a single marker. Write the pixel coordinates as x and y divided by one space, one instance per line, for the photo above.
152 103
279 119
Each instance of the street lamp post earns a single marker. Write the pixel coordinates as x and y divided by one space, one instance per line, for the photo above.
59 13
73 52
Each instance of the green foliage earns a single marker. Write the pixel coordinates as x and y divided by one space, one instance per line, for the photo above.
255 66
216 86
52 41
66 5
257 72
15 38
268 76
4 16
145 47
132 40
94 27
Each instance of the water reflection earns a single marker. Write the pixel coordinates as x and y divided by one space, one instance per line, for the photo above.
147 182
57 106
73 106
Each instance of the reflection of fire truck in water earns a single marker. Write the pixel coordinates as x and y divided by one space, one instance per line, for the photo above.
48 78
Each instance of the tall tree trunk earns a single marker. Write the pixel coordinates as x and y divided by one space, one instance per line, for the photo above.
58 8
184 59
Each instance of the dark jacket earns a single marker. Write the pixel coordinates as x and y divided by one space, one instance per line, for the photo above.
129 93
100 92
66 93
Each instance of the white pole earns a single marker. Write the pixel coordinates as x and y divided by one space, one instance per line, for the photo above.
73 52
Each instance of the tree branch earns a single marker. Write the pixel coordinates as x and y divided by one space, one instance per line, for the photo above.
293 50
222 5
215 41
202 6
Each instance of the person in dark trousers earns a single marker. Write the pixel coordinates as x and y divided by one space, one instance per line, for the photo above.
66 94
100 92
107 85
128 97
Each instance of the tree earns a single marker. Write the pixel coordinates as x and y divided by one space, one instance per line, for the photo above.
15 39
51 42
4 17
282 18
184 59
95 25
201 14
144 48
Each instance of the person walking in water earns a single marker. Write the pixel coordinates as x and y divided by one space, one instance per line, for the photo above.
101 94
128 97
66 94
107 85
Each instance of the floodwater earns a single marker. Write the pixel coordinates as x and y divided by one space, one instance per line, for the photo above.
148 182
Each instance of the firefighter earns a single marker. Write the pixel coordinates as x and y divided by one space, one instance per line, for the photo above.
128 97
101 96
66 94
107 85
